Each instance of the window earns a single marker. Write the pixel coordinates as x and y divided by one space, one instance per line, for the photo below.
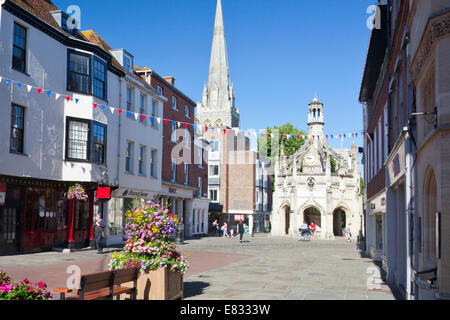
100 79
214 145
186 173
174 103
154 114
129 157
174 134
79 72
153 164
213 195
86 140
142 105
200 186
19 48
98 142
186 112
77 140
129 100
17 129
127 63
213 170
159 90
142 161
173 170
187 139
200 157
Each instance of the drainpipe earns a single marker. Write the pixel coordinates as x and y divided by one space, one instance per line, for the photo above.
119 134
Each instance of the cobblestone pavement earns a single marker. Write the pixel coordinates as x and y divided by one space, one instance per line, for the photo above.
261 268
278 268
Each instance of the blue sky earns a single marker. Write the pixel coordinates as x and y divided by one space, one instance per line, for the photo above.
280 52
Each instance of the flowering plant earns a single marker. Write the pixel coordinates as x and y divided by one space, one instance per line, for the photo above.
11 290
77 192
149 230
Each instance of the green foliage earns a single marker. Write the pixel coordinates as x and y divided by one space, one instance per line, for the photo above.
290 145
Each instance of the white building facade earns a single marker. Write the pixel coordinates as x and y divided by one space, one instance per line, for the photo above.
317 184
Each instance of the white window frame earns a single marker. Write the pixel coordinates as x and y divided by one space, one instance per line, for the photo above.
142 160
187 111
217 200
154 114
154 163
173 170
130 150
186 173
174 103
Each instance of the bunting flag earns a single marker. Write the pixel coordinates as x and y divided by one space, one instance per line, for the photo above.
236 131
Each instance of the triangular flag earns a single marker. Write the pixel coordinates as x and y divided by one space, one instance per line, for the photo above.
151 119
326 136
136 115
165 121
231 131
314 137
57 95
282 136
95 106
206 128
178 124
143 117
193 126
111 108
67 98
76 100
267 135
0 79
39 90
128 114
29 88
19 84
293 137
224 131
186 125
159 120
356 134
103 107
8 82
119 111
212 129
49 93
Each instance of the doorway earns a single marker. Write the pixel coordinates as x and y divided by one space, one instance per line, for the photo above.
312 215
287 219
339 222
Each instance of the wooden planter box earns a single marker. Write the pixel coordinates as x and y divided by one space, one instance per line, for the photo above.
161 284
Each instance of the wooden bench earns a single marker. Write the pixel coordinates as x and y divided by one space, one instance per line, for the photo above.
102 285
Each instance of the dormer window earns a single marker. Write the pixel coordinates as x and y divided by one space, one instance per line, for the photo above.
127 64
68 23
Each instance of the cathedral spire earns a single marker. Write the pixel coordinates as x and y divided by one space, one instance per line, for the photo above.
219 77
218 100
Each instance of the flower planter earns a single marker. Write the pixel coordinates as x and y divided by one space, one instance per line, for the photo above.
160 284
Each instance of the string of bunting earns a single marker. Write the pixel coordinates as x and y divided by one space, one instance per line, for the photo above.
50 93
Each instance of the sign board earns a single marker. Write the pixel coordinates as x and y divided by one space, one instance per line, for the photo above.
2 193
103 193
239 217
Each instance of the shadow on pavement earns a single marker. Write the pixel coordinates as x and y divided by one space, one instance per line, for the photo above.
194 288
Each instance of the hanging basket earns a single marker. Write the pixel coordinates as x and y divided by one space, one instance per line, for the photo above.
77 192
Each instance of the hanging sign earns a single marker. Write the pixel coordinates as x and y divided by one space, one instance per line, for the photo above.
103 193
2 193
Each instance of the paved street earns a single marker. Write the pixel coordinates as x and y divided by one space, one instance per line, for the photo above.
285 269
262 267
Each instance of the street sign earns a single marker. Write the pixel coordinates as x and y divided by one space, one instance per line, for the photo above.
2 193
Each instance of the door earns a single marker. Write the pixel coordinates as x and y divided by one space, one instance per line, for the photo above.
10 220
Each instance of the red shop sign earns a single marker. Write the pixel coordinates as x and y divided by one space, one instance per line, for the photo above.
2 193
103 193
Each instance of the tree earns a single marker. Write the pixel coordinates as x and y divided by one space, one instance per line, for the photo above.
290 145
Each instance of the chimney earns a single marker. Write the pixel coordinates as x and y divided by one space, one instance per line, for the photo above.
170 79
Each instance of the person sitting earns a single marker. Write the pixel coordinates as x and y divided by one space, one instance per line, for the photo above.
304 230
312 226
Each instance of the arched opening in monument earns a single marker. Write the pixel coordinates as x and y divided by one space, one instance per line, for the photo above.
339 222
287 219
312 215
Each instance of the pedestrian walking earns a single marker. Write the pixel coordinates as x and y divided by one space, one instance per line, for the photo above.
100 236
215 226
348 232
241 230
225 230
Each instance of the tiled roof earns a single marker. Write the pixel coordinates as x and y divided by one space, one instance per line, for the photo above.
95 38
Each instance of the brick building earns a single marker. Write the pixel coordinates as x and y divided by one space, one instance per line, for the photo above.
184 169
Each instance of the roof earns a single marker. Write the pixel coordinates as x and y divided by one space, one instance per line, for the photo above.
95 38
375 57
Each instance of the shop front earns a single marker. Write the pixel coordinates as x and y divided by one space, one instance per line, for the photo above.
35 215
